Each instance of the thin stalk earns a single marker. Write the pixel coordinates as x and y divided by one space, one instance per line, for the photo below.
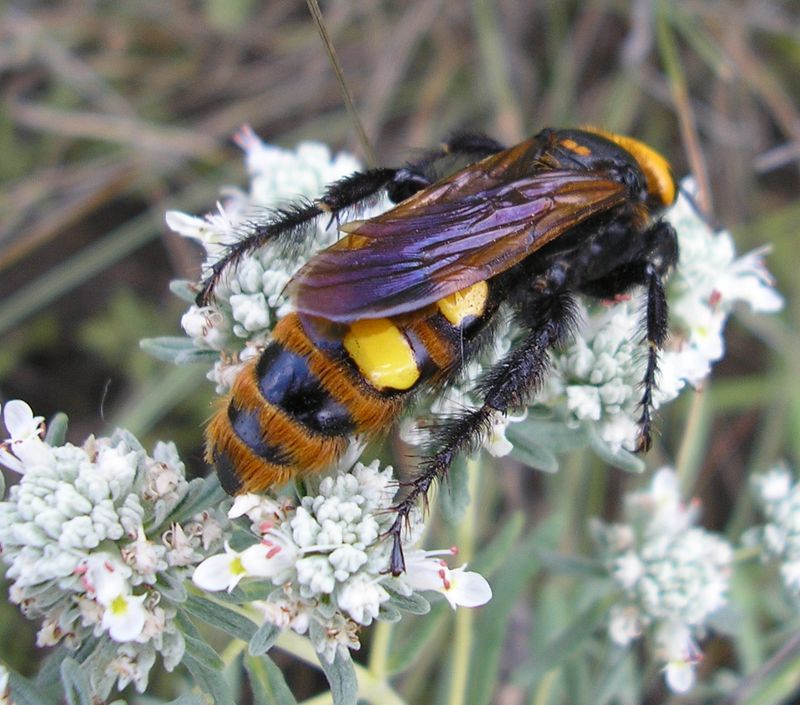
687 460
379 652
322 28
369 688
464 632
683 105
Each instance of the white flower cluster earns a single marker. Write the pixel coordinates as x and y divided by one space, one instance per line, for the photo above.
85 538
250 298
673 575
779 496
327 558
598 377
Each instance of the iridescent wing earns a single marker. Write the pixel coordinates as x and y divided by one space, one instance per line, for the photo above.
454 234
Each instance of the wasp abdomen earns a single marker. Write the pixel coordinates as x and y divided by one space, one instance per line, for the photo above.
294 409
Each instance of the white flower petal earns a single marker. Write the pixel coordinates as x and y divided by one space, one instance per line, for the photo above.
680 676
125 617
220 572
20 421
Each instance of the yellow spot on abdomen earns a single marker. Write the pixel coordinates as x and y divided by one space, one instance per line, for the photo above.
382 353
464 303
573 146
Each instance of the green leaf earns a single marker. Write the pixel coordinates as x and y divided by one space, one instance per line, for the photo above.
221 617
249 591
413 603
389 613
267 682
171 586
75 683
209 680
196 355
263 639
184 289
57 430
554 436
622 459
203 663
26 692
197 647
341 675
533 456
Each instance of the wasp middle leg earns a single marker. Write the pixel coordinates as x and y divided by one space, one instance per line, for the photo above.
510 383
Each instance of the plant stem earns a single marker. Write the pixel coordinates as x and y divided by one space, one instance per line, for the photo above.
462 642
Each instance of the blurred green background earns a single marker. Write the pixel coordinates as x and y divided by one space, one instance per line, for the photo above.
113 112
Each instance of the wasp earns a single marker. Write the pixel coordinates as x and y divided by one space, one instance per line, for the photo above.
403 301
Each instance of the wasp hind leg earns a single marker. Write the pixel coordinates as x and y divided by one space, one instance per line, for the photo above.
510 383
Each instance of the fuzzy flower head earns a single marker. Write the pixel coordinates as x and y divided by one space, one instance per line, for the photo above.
778 494
83 536
327 557
250 298
672 575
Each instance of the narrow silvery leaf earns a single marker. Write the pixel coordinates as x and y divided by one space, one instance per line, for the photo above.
26 692
621 458
413 603
221 617
202 494
184 289
209 680
267 682
75 683
532 455
57 430
341 675
172 587
167 347
263 639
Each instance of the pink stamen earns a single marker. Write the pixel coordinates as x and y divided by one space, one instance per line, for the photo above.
715 298
273 552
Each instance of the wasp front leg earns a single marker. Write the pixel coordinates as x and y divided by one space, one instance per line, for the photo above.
648 266
510 383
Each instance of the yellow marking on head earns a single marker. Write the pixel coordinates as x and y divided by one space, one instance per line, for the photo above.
382 353
470 301
573 146
656 169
